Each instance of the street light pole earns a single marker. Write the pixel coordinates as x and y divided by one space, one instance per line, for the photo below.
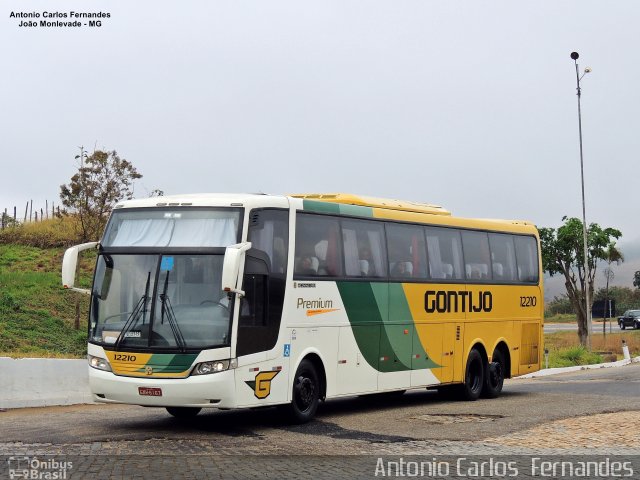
575 56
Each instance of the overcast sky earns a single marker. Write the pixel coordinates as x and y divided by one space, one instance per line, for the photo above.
467 104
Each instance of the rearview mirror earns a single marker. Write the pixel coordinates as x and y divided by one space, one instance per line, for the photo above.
69 264
233 257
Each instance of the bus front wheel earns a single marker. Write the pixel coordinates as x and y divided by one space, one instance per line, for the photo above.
474 377
183 412
306 393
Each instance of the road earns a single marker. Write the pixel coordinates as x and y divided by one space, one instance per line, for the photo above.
579 413
597 327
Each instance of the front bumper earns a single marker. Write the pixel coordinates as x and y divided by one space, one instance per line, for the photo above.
205 391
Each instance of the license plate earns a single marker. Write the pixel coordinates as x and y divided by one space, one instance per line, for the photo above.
150 391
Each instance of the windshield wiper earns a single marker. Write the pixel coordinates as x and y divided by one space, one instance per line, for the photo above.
141 307
167 310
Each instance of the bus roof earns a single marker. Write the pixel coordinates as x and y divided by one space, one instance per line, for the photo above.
362 201
250 200
377 207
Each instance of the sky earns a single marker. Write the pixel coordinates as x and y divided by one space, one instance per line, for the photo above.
468 104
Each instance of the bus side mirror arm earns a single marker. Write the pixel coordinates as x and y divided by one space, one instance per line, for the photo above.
69 264
231 278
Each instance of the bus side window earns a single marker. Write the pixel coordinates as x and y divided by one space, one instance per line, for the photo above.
444 253
527 258
407 251
364 248
477 259
503 257
318 247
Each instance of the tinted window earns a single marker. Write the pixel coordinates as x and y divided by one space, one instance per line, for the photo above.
503 257
444 252
364 249
476 255
269 233
527 258
318 246
407 251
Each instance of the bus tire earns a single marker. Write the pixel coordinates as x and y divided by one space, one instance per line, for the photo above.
473 377
306 393
184 412
494 376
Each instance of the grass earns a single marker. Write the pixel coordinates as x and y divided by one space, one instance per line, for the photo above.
561 318
565 350
36 315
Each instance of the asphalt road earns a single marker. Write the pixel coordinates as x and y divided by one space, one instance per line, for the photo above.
419 422
597 327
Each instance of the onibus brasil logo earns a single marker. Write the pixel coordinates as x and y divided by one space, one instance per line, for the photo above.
35 468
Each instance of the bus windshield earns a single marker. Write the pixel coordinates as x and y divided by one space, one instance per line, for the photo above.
159 301
172 227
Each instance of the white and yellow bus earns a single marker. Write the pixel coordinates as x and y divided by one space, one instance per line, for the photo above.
232 301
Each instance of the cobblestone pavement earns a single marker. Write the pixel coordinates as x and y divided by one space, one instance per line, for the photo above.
606 434
583 413
615 432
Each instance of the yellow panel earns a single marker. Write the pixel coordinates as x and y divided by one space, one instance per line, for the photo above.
529 347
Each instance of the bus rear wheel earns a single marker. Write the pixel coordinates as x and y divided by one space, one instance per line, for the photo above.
306 393
494 376
474 377
184 412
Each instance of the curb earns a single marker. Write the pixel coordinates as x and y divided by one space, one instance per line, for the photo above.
555 371
43 382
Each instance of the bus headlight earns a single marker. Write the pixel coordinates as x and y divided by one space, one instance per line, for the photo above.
206 368
99 363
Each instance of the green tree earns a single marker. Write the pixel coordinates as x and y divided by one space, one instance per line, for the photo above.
636 279
625 297
102 180
563 253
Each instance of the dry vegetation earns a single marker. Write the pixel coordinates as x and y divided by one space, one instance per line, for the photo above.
50 233
565 350
607 343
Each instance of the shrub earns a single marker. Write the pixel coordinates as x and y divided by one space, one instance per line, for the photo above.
50 233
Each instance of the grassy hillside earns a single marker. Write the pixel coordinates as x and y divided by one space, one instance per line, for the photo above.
36 314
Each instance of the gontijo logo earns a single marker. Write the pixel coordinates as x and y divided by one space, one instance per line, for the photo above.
261 386
316 307
448 301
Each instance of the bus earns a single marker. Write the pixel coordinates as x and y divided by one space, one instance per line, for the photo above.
246 300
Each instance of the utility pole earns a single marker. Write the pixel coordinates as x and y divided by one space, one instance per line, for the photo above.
587 306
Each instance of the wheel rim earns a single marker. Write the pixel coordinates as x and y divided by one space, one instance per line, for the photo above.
305 393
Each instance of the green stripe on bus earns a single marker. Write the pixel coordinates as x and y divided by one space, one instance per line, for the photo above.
356 210
170 363
388 346
336 208
363 313
399 310
366 305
